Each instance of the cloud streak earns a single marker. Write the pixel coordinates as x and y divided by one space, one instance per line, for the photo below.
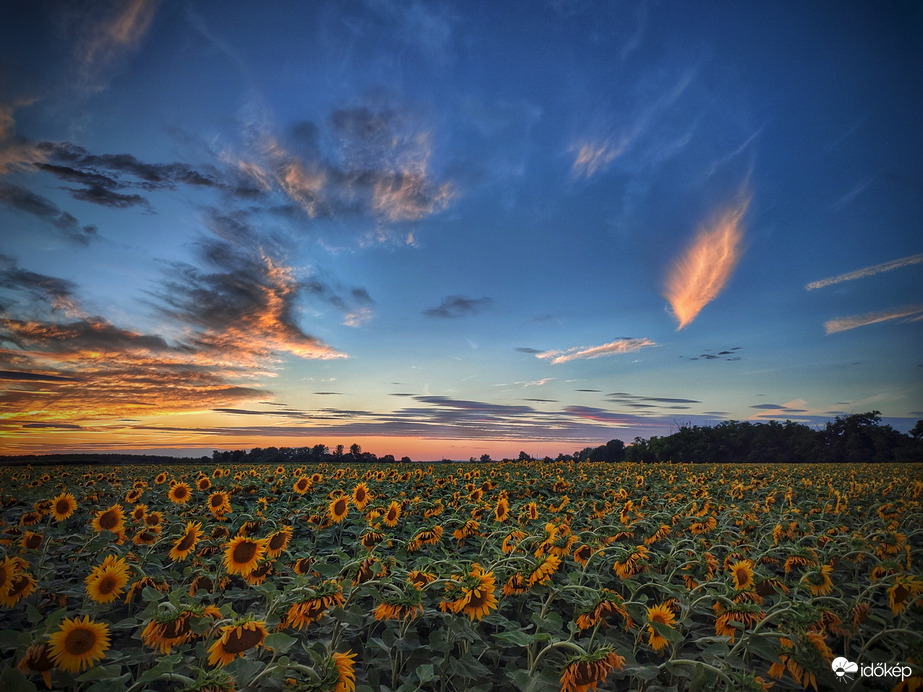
703 270
867 271
842 324
23 200
458 306
613 348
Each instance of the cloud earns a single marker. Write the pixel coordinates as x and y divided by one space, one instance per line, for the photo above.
114 30
526 349
15 152
867 271
16 375
39 290
245 302
377 164
709 354
593 157
21 199
459 306
842 324
616 347
701 272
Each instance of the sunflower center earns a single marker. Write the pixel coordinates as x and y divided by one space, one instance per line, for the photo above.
742 577
109 520
244 552
360 494
106 585
659 618
277 541
241 640
179 492
217 501
339 507
62 506
187 542
79 640
478 598
176 628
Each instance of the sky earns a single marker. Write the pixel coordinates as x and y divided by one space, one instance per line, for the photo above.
448 229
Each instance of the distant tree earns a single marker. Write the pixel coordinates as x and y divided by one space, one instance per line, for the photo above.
405 460
355 449
523 456
484 458
339 451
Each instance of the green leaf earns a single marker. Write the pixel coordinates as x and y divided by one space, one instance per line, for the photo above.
14 681
425 672
325 569
280 642
109 672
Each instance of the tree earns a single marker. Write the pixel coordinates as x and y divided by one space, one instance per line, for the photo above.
485 458
355 450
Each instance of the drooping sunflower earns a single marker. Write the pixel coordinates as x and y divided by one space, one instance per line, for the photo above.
259 575
302 565
475 596
819 580
302 613
585 671
63 506
338 508
583 554
107 581
905 588
420 579
430 536
742 575
659 614
219 504
746 614
236 640
31 540
512 540
79 643
179 493
343 664
172 629
393 514
608 604
111 519
185 544
403 607
543 572
242 554
37 659
278 541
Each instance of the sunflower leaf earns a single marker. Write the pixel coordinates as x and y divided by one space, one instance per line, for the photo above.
280 642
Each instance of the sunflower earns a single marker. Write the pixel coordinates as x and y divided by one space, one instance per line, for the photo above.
185 544
31 540
746 614
161 478
171 630
502 510
63 506
139 585
659 614
21 586
78 644
819 580
302 485
512 539
338 508
203 483
420 579
111 519
146 536
153 519
585 671
242 554
302 565
423 537
219 504
236 639
609 603
468 529
9 569
742 575
361 496
346 678
475 596
133 495
630 561
37 659
543 572
107 580
179 493
278 541
583 554
904 589
328 595
403 607
532 511
393 514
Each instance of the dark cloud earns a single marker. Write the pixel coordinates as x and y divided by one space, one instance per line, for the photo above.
636 400
459 306
587 390
58 293
21 199
767 406
61 426
526 349
476 406
729 355
33 376
541 400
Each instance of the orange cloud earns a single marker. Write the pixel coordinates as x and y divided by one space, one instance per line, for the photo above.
701 272
842 324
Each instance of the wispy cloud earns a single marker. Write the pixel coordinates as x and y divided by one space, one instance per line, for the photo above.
459 306
613 348
593 157
701 272
112 33
842 324
867 271
19 198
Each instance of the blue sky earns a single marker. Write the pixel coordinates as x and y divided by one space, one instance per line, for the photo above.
448 229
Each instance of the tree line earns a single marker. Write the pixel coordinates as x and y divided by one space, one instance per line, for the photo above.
856 438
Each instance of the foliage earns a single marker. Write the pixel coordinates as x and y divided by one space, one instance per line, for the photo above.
531 575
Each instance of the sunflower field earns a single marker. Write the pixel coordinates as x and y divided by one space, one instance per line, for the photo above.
459 577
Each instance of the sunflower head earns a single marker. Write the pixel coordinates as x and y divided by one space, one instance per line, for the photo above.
235 640
338 508
586 671
179 493
63 506
79 643
242 554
